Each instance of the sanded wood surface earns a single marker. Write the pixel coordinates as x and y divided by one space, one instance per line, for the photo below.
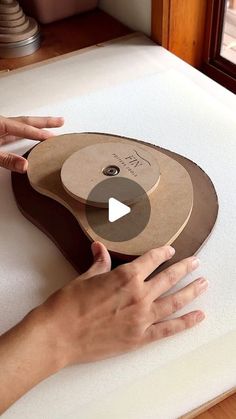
171 202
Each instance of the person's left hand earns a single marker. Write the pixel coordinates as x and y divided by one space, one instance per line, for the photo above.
30 127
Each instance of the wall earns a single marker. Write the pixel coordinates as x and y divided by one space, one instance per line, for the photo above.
134 13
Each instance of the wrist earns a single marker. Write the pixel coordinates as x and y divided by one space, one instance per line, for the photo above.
28 355
42 331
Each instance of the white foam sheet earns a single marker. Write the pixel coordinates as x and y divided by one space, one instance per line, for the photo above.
171 109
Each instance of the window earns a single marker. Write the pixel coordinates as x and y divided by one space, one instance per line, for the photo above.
228 42
220 54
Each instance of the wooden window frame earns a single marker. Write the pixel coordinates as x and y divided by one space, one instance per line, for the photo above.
182 36
214 64
191 29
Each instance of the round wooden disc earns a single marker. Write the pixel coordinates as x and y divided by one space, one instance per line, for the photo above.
30 31
9 7
11 16
15 29
12 23
88 167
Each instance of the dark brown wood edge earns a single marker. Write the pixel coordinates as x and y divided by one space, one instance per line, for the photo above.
66 233
214 65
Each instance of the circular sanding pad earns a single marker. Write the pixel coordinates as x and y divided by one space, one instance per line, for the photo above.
88 167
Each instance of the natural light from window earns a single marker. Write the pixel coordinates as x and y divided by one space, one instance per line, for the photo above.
228 45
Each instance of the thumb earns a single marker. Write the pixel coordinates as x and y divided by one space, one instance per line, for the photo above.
13 162
102 261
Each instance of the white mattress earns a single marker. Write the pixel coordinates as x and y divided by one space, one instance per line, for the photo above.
139 90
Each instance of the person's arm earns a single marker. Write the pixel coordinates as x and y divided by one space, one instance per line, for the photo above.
30 127
100 314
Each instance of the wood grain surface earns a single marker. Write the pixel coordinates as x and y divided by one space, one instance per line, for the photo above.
179 26
223 410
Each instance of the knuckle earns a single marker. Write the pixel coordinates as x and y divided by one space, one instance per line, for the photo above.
195 290
177 303
188 265
24 130
171 277
6 160
129 272
137 325
167 330
134 273
137 295
153 255
24 119
189 321
122 273
165 252
49 122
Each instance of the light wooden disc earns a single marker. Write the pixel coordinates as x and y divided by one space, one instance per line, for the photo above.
171 202
12 23
15 29
88 167
30 31
11 16
9 7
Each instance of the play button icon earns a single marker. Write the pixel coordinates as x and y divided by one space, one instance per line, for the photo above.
117 210
120 217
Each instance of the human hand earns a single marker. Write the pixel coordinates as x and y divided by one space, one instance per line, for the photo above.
104 313
30 127
100 314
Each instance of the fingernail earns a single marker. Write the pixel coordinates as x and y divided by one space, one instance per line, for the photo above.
202 285
200 316
195 263
171 251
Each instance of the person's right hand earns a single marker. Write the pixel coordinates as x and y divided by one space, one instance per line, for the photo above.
100 314
104 313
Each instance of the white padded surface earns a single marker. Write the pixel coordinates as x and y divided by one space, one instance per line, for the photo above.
176 107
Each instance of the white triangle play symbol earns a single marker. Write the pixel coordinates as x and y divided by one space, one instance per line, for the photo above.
116 210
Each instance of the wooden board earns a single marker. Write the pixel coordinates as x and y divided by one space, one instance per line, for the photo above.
90 165
61 226
171 202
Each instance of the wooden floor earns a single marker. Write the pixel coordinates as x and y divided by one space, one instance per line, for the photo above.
70 35
224 410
